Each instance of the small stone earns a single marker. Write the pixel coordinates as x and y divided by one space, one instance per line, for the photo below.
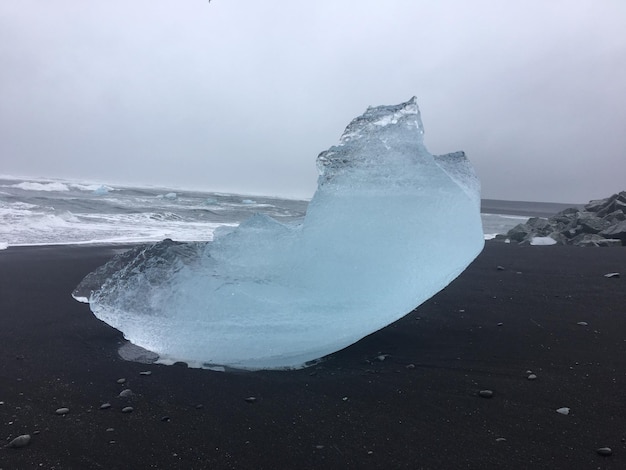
110 429
145 372
250 399
486 393
582 323
127 409
410 366
382 357
500 324
563 411
105 406
165 419
121 381
610 275
20 441
532 377
36 432
345 398
180 364
605 451
500 439
1 403
500 268
126 393
199 406
62 411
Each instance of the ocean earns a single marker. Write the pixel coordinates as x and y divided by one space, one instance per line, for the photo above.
55 212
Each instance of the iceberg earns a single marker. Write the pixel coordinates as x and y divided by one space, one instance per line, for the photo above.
389 226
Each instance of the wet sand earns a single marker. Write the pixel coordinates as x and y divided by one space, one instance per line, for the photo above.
419 407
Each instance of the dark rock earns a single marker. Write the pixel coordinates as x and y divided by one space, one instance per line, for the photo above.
615 217
519 233
486 393
593 224
540 226
616 231
128 409
20 441
587 239
605 451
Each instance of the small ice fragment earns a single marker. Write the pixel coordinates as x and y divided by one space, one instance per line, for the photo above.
563 411
542 241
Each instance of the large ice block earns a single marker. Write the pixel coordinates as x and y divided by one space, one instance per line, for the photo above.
388 227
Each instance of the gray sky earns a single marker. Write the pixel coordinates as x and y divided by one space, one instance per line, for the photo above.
241 95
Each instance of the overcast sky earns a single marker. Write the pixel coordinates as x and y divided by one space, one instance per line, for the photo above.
241 95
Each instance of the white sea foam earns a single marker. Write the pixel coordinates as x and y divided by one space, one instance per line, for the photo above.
32 186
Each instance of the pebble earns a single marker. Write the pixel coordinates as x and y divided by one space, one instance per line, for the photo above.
532 377
410 366
126 393
110 429
250 399
199 406
1 403
145 372
20 441
500 324
127 409
582 323
62 411
610 275
105 406
500 268
121 381
606 451
500 439
563 411
165 419
486 393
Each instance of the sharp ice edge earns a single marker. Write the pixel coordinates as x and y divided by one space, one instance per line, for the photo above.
388 227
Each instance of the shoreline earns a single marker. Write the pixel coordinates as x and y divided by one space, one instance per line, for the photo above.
417 407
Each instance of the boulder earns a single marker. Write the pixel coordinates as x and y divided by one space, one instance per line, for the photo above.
616 231
592 224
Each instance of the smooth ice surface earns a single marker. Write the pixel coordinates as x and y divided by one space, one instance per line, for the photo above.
388 227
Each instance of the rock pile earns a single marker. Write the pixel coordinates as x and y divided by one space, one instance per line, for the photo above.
600 223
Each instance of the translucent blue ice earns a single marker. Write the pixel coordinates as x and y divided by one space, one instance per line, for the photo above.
389 226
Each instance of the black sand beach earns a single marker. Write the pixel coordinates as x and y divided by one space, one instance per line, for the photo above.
418 408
